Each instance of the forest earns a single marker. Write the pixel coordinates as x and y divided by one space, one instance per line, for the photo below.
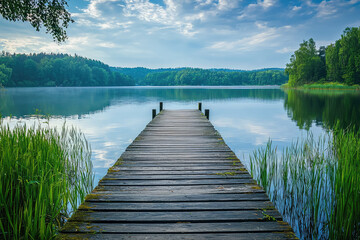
48 70
338 62
212 77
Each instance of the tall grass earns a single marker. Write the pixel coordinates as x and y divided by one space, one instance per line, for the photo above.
44 174
315 184
345 219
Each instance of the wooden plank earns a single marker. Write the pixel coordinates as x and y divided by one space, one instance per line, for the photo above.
116 182
178 228
182 236
177 180
121 176
178 168
173 217
141 198
175 172
177 206
191 189
181 162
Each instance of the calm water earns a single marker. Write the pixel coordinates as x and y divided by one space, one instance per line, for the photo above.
246 117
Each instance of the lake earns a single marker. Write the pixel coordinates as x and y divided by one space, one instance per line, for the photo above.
246 117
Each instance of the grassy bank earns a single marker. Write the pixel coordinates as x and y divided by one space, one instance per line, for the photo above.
324 86
315 184
44 175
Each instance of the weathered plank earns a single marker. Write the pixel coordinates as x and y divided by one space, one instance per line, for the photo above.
177 180
217 197
182 236
116 182
177 228
173 217
177 206
115 176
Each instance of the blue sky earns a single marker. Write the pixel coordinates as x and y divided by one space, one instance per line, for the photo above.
183 33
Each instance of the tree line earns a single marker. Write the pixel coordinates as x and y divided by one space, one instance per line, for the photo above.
48 70
33 70
338 62
201 77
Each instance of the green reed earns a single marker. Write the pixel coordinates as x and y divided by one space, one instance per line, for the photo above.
44 174
315 184
345 219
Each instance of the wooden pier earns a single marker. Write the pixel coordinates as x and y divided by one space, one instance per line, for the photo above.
177 180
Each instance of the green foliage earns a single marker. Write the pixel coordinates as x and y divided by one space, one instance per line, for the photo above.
203 77
306 65
339 62
333 63
51 14
349 56
330 85
5 75
59 70
345 217
44 175
139 73
315 184
64 70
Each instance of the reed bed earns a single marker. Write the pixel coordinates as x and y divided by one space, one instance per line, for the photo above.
45 173
315 184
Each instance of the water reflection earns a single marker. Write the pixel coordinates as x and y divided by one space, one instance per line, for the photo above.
66 102
246 117
324 108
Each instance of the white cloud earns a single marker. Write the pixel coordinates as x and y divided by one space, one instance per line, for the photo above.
93 9
204 33
107 45
254 9
227 4
266 3
285 50
116 14
205 2
326 9
73 44
21 44
256 40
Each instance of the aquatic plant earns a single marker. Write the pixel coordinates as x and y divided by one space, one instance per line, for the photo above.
315 184
44 174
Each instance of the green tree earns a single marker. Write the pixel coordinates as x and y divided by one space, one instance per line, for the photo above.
306 65
5 74
349 55
333 68
32 71
100 76
51 14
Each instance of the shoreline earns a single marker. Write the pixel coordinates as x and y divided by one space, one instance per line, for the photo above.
323 86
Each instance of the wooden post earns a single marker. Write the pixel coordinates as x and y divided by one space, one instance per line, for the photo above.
153 113
200 106
207 113
161 106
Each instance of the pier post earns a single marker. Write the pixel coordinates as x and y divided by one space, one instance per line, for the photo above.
200 106
153 113
161 106
207 113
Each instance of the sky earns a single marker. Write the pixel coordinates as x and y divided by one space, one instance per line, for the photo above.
235 34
